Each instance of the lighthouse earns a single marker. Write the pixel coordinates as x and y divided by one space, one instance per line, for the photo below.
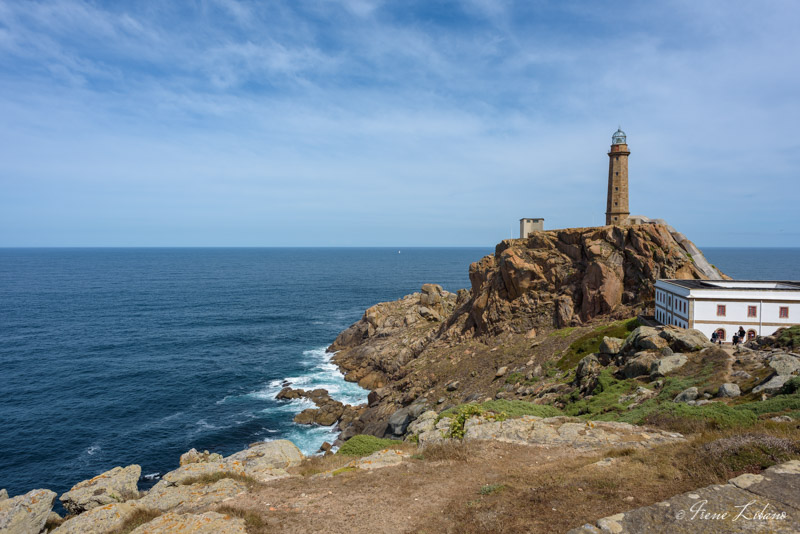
617 211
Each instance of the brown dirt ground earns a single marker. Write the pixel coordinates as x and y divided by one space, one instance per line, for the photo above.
530 489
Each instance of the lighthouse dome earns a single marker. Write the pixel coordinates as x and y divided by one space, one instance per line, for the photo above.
618 138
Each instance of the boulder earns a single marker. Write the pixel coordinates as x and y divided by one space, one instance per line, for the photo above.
207 523
729 389
116 485
588 366
665 365
643 338
686 395
639 365
191 498
784 364
3 494
384 458
501 372
26 514
194 457
684 339
423 423
611 345
99 520
452 386
400 419
772 385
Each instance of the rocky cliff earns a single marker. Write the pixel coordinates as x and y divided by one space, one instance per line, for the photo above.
550 280
568 277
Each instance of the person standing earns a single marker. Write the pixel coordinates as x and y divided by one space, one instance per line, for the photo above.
741 334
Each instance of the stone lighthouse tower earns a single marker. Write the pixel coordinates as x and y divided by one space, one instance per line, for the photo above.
617 208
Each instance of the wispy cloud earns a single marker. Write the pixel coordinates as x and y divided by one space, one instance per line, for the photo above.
250 116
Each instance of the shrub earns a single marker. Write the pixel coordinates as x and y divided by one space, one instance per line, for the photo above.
364 445
254 523
788 337
749 452
790 387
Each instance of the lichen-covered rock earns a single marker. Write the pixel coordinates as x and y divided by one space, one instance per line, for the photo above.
611 345
190 498
729 389
264 461
379 459
643 338
3 494
565 431
684 339
667 364
192 456
207 523
773 384
639 365
784 364
686 395
26 514
116 485
98 520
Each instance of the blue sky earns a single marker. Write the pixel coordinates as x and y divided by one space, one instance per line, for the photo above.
370 123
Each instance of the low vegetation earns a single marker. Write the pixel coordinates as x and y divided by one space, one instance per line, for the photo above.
364 445
788 337
590 342
254 523
138 518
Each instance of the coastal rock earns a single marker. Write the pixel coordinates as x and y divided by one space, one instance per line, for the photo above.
684 339
26 514
665 365
686 395
191 498
729 389
424 423
3 494
194 457
565 431
501 372
399 420
587 371
772 385
263 461
207 523
116 485
561 277
784 364
639 365
98 520
611 345
643 338
384 458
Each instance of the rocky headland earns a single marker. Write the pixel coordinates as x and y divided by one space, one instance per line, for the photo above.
539 400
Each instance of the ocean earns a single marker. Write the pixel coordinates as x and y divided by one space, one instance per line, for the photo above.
118 356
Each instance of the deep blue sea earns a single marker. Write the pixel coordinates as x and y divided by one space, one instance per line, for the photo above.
117 356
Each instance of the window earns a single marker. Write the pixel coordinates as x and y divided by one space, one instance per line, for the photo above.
720 310
616 173
784 312
752 311
721 334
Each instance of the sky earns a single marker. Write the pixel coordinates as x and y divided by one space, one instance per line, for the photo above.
392 123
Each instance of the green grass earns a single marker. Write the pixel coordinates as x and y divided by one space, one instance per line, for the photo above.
488 489
211 478
590 342
563 332
364 445
497 410
345 469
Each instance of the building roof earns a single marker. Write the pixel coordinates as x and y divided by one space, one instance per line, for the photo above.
738 285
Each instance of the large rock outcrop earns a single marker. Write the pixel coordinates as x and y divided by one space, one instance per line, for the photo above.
27 513
117 485
567 277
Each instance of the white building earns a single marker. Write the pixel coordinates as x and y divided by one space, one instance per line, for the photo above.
722 306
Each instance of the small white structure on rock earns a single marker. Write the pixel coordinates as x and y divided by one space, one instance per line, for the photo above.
722 306
526 226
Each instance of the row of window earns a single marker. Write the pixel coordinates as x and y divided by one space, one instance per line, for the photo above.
680 305
751 334
663 318
752 311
